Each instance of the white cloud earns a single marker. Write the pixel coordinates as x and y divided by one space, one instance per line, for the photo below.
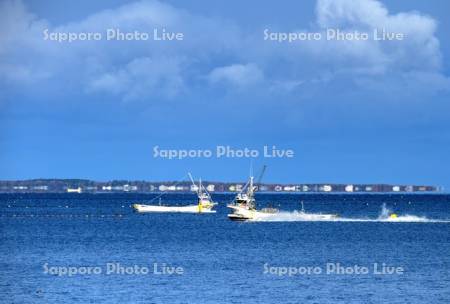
19 36
140 78
419 50
130 70
237 74
360 64
216 52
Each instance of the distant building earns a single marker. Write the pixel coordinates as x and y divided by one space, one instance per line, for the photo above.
327 188
263 188
74 190
289 188
41 188
20 187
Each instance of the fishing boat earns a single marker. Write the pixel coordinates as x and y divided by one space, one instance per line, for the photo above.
204 203
244 205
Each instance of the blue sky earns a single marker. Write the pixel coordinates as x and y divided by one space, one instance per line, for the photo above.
353 111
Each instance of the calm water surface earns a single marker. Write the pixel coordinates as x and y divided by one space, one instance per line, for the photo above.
222 261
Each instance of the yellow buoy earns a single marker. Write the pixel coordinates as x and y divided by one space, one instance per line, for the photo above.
393 215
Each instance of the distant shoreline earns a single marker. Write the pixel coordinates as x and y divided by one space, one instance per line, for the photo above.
129 186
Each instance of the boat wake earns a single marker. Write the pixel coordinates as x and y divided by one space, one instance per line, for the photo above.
386 215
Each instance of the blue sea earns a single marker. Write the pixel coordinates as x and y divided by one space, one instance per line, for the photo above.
86 248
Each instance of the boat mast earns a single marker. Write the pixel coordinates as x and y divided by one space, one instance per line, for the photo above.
193 183
250 189
251 193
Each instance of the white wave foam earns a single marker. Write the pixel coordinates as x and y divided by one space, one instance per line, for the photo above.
384 216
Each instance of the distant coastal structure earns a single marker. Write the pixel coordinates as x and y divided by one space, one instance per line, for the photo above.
125 186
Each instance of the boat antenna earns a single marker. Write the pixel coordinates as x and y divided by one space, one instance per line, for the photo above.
191 178
164 192
251 188
263 170
193 183
200 188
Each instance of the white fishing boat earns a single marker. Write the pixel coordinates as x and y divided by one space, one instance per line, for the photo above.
204 203
200 208
244 208
244 205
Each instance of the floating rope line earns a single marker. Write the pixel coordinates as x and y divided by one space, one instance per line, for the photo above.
64 215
